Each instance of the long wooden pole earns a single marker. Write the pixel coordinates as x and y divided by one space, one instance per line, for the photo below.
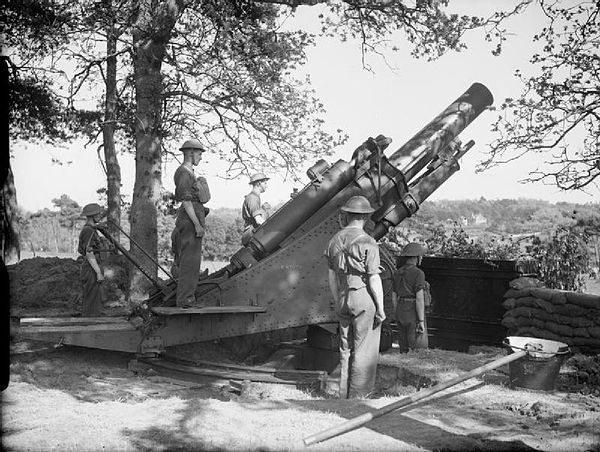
364 418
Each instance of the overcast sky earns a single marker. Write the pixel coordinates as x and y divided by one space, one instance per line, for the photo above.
395 102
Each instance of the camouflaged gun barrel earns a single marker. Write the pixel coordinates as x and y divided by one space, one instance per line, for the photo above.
367 166
416 153
417 192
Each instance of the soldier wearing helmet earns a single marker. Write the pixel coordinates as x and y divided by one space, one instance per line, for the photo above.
91 274
353 261
193 193
409 297
253 212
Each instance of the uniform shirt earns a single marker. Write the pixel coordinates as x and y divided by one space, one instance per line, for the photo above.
250 207
187 189
352 255
408 280
89 241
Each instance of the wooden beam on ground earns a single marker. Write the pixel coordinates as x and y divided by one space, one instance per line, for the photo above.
209 310
59 321
118 335
286 374
226 374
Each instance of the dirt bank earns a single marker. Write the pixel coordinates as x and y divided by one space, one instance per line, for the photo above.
50 286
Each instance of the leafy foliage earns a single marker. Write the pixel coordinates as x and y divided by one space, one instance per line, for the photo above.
558 114
459 244
563 260
561 239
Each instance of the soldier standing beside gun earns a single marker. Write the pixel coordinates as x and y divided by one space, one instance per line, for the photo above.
408 297
353 259
189 225
91 274
253 212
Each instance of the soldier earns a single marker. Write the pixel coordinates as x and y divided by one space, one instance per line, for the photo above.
253 213
353 259
189 226
91 274
408 297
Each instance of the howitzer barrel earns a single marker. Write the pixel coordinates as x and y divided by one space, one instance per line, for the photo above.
287 219
418 192
415 154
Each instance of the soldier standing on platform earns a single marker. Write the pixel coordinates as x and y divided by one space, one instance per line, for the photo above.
253 213
409 298
353 259
189 226
91 274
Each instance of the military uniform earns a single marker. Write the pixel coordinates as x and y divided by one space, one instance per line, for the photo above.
250 208
353 256
188 252
93 295
408 280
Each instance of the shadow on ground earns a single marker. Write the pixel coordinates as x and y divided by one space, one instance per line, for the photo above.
408 430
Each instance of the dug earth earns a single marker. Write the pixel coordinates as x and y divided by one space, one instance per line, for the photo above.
72 398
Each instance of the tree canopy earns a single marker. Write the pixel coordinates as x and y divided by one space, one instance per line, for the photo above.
558 114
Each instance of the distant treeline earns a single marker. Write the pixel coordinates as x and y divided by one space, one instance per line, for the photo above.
57 229
504 216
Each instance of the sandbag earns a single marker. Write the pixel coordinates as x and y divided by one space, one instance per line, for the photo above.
594 331
517 293
509 303
508 322
591 342
559 297
539 333
530 321
581 332
562 330
547 294
524 311
571 310
577 322
584 300
524 282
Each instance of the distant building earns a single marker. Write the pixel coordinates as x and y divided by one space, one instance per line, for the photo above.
478 219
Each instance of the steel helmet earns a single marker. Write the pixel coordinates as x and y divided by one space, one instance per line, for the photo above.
357 204
258 177
192 144
413 249
91 210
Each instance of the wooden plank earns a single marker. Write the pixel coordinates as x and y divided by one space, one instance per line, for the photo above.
68 329
209 310
281 373
67 321
158 364
125 340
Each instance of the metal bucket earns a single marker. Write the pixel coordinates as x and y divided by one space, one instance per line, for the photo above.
540 367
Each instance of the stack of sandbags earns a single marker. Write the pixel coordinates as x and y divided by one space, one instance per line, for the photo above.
558 315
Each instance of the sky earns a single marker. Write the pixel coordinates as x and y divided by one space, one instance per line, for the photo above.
396 102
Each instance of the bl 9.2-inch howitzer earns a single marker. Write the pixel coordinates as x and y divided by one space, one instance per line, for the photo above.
282 268
279 279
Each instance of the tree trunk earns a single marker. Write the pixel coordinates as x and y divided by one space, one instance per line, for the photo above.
113 170
152 31
11 248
